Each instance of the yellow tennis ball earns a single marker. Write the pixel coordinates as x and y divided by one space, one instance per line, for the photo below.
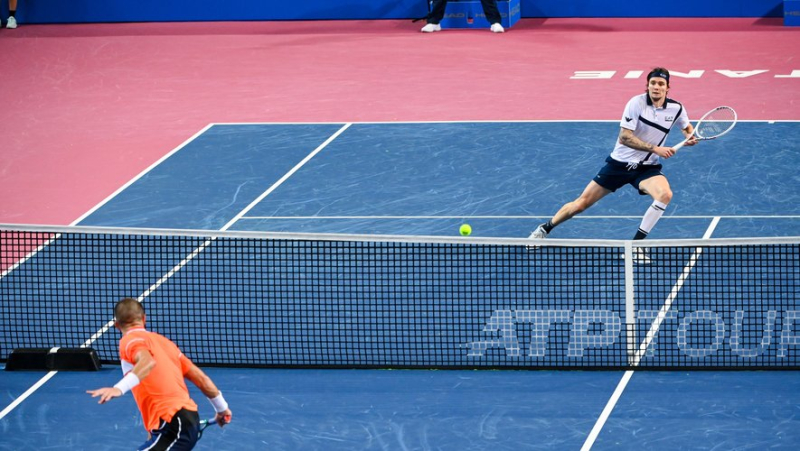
465 229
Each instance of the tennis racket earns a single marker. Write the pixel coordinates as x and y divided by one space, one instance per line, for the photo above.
712 125
203 425
206 423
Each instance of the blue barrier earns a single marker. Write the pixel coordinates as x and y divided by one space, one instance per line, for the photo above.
791 12
470 14
87 11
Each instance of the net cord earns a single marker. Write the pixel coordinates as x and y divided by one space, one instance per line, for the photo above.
698 242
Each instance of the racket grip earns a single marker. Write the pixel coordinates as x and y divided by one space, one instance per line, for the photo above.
680 144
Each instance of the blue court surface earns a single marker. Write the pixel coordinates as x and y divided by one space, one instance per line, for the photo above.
426 179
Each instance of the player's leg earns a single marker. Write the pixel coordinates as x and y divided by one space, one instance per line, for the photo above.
492 15
12 10
658 188
590 195
435 16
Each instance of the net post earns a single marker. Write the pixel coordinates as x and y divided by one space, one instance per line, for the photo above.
630 314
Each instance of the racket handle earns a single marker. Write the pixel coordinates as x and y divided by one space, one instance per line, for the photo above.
680 144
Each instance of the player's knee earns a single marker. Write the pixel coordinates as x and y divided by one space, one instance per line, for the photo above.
580 205
666 196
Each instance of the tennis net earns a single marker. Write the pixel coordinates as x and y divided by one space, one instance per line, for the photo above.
352 301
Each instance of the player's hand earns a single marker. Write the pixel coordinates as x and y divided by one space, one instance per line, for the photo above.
224 418
664 152
106 394
692 141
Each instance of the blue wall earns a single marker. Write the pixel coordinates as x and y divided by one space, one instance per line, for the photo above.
60 11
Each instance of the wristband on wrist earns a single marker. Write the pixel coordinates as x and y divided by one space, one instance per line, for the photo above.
219 403
127 383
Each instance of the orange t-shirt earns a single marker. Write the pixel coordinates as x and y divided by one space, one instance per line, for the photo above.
163 392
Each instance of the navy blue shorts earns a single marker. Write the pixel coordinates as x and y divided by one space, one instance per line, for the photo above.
180 434
616 174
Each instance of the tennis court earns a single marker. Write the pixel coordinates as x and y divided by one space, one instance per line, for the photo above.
241 192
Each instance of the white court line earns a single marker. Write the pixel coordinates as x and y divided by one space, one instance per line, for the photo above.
180 265
626 377
140 175
49 375
107 199
286 176
584 217
27 393
470 121
29 256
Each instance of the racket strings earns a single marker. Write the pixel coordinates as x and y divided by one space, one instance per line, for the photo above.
716 123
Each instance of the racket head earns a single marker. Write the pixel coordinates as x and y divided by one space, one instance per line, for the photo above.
716 123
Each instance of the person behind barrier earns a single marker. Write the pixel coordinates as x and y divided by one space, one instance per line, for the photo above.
437 14
154 369
12 12
635 160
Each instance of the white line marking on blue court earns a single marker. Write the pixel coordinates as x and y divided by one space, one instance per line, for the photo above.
626 377
521 217
183 263
49 375
27 393
285 177
469 121
140 175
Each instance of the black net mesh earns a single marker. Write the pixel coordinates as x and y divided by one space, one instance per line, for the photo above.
265 301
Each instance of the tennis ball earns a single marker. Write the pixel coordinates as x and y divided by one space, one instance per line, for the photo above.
465 229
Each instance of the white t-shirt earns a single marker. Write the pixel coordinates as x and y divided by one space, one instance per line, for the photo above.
651 125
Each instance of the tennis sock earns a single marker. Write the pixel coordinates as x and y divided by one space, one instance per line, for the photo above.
548 226
11 12
650 219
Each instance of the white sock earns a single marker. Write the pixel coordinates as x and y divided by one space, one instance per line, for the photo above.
652 216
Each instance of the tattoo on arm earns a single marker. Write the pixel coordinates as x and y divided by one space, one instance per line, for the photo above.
627 138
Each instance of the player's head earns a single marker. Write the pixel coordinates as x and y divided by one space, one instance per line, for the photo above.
128 311
658 72
658 83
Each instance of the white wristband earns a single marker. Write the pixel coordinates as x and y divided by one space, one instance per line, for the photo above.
127 383
219 403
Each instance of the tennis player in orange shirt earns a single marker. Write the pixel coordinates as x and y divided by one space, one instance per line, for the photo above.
154 369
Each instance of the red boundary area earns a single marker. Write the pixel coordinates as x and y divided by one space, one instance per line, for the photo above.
87 107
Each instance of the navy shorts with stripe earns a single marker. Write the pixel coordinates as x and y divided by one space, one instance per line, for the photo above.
616 174
180 434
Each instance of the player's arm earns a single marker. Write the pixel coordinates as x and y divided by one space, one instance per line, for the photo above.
143 365
688 133
207 386
627 138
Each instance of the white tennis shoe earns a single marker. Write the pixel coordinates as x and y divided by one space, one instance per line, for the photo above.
539 234
497 28
12 22
431 27
640 256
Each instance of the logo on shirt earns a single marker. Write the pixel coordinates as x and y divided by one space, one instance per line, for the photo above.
628 119
669 118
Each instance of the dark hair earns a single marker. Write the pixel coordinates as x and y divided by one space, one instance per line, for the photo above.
659 72
128 311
